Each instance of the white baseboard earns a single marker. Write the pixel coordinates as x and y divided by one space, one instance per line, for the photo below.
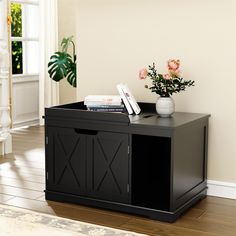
221 189
25 123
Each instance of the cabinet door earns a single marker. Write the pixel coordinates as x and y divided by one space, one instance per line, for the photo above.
65 160
109 162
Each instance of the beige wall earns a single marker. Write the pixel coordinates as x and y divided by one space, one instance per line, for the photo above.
118 37
67 28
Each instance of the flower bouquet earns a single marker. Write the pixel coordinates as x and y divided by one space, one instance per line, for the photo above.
165 85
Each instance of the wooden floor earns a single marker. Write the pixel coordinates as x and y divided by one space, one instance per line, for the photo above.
22 184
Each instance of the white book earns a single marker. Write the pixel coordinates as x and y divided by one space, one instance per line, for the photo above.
125 100
131 99
102 100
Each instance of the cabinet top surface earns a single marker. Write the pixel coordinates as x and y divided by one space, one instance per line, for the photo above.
148 117
176 120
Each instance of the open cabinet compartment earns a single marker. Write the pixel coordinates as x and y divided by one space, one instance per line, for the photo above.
151 171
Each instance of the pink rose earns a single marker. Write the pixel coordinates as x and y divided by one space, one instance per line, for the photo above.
175 73
143 73
166 76
173 64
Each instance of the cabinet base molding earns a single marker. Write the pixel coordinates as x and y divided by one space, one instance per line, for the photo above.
130 209
221 189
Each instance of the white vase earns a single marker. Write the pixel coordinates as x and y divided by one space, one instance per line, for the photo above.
165 106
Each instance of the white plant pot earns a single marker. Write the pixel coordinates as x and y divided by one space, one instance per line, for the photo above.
165 106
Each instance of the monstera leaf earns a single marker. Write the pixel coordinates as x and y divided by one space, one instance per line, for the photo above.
71 74
65 43
58 65
62 65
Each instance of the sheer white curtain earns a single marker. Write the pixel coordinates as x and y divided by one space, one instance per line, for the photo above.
48 89
3 14
5 120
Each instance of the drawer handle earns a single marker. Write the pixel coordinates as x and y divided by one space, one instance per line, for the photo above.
86 131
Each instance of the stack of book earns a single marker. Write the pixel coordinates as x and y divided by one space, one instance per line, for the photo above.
113 103
104 103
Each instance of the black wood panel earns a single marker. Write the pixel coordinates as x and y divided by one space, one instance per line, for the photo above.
109 163
66 160
188 162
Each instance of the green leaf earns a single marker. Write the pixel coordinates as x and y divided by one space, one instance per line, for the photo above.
57 67
71 76
65 43
62 65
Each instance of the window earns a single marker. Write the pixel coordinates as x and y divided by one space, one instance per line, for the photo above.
16 31
25 38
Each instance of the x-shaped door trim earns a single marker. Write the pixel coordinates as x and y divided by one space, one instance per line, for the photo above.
67 160
108 165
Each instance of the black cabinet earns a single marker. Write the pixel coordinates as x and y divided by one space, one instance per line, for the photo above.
88 162
142 164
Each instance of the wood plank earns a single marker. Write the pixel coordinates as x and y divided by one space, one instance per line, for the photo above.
21 162
22 184
216 208
90 216
42 198
218 219
93 209
206 226
17 164
23 176
19 192
194 213
36 179
12 174
30 204
33 157
24 158
22 169
216 200
68 211
152 227
4 197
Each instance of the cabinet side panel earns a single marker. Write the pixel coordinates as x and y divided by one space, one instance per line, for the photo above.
189 156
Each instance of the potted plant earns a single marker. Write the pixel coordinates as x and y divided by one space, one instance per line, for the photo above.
62 64
165 85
